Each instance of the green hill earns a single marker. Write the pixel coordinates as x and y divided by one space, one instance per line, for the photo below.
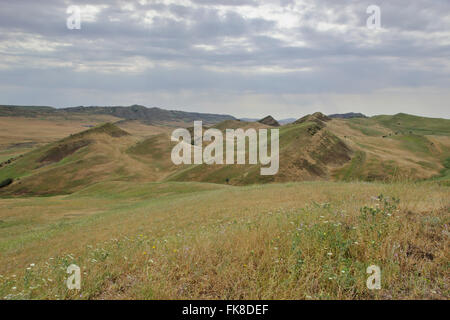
381 148
111 201
135 112
66 165
406 123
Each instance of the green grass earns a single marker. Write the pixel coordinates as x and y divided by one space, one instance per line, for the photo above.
294 142
24 165
137 238
444 176
197 241
124 190
368 131
403 124
303 156
150 146
417 125
415 143
353 171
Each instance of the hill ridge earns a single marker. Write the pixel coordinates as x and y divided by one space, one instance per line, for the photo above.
315 147
147 115
270 121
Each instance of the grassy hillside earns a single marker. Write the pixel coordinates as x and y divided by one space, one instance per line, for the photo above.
141 227
307 152
418 125
316 147
134 112
20 134
69 164
195 241
444 176
395 147
313 148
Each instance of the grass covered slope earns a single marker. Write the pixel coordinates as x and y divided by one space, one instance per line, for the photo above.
418 125
399 147
313 148
208 241
134 112
140 227
68 164
308 151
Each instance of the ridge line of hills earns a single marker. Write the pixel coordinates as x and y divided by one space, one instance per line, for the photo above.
314 147
153 115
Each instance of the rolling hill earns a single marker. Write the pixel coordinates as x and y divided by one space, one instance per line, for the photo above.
107 198
134 112
315 147
348 115
102 153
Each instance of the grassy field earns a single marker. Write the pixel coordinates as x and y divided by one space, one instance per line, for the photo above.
108 199
311 240
359 149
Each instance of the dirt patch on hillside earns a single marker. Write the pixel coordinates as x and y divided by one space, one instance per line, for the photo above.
61 151
107 128
329 149
270 121
317 117
314 156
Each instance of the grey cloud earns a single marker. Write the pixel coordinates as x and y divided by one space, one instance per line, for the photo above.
212 45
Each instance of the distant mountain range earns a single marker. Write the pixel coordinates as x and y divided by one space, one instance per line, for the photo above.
286 121
147 115
348 115
281 122
270 121
135 112
315 147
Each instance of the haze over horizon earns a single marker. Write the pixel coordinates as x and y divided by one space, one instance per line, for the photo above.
243 58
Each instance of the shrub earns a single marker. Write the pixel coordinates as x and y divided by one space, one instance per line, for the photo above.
6 182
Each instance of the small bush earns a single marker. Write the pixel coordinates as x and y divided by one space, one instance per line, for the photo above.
386 207
6 182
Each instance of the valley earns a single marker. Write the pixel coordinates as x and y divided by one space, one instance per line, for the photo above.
101 192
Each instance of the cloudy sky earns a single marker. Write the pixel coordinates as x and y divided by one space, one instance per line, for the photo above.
247 58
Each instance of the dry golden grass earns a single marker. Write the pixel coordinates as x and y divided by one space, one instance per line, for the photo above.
138 239
101 157
141 130
384 150
21 129
19 135
279 241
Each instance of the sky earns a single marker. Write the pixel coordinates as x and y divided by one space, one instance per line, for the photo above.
246 58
